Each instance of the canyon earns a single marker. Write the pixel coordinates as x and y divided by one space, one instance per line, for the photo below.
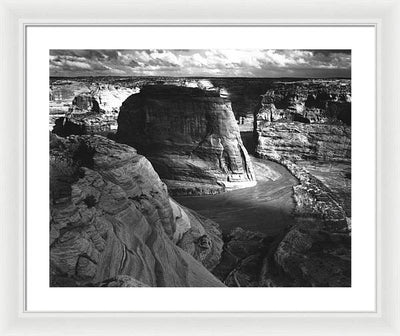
200 182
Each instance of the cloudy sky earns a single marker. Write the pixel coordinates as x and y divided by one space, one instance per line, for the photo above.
208 63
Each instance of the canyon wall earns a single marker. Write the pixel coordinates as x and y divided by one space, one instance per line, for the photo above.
309 101
296 122
297 127
88 94
92 106
316 250
99 124
190 136
297 141
112 222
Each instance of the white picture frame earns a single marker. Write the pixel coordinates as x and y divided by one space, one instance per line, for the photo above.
15 15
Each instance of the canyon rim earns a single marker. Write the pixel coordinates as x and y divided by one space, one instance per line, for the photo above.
200 168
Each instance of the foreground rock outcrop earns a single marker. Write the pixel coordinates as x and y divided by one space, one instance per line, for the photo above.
316 251
243 258
111 216
190 136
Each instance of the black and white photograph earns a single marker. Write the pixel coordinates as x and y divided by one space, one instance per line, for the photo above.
200 167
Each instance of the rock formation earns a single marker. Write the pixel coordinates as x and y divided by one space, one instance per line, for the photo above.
316 250
242 258
111 216
86 102
296 141
113 224
320 101
190 136
121 281
93 106
99 124
86 95
110 97
313 251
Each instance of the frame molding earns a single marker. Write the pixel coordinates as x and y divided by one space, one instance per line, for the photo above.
16 15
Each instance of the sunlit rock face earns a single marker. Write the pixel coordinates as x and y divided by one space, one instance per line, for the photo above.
64 91
297 141
111 216
110 97
297 122
94 106
298 127
86 96
310 101
190 136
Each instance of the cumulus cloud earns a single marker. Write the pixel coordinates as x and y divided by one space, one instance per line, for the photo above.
213 62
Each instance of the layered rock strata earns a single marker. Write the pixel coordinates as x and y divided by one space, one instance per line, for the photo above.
296 141
320 101
316 250
93 105
190 136
111 216
88 124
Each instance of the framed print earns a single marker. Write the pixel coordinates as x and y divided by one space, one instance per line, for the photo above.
231 171
189 162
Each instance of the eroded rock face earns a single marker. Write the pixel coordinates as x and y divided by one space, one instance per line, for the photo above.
110 215
92 105
121 281
190 136
86 102
203 242
110 97
242 258
320 101
316 250
99 124
296 141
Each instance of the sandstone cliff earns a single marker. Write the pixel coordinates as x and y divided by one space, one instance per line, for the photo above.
106 98
190 136
296 141
93 106
316 249
91 123
320 101
111 216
